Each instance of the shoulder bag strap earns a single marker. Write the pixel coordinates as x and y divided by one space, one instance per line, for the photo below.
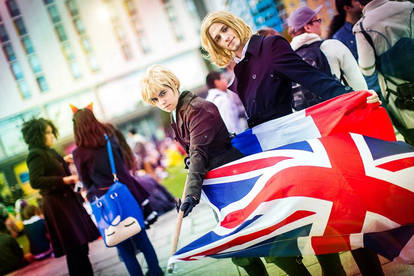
111 157
378 65
369 39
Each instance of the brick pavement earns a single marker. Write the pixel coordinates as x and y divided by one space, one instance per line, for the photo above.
106 262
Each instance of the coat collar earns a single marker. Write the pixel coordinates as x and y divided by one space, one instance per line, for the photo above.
184 99
254 45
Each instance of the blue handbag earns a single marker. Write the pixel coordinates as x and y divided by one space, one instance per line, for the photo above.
118 215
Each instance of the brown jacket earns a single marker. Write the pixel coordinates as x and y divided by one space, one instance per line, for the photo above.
201 131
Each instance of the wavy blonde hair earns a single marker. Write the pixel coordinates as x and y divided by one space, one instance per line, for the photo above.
156 79
222 57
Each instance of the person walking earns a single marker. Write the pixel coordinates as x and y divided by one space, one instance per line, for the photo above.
69 225
92 162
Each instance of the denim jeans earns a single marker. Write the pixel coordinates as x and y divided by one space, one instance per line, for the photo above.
128 250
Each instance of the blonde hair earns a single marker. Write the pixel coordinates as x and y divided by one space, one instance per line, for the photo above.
221 57
156 79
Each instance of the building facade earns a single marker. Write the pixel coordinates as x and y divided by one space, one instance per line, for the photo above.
61 52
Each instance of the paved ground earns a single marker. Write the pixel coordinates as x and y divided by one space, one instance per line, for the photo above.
106 262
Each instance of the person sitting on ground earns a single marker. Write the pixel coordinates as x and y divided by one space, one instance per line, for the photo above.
11 254
36 232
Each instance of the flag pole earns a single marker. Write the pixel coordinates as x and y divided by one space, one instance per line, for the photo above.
180 216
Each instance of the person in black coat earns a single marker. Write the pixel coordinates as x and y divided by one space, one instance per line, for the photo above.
263 75
69 224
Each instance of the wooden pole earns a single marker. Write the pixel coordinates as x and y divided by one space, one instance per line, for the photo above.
180 217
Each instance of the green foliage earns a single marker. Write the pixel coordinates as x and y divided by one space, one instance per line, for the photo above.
175 180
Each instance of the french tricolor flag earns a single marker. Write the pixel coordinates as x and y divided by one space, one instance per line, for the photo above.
345 113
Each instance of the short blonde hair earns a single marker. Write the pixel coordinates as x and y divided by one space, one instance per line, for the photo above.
156 79
222 57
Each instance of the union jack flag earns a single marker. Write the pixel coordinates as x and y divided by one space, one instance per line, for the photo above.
317 196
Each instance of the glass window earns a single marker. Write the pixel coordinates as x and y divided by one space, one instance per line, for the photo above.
47 2
74 67
27 45
3 34
93 63
35 64
12 7
20 27
9 52
17 70
53 13
41 82
61 32
24 89
79 26
86 44
67 51
73 9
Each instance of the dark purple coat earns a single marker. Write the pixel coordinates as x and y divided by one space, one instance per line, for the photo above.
263 79
95 171
68 222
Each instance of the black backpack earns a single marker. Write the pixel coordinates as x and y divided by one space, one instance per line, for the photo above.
312 54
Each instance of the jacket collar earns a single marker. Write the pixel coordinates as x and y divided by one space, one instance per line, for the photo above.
254 45
236 59
303 39
184 99
373 5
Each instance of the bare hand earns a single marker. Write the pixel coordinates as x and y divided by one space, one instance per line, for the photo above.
373 98
68 158
71 179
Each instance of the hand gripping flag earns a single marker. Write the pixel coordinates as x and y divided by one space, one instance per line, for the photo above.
342 114
318 196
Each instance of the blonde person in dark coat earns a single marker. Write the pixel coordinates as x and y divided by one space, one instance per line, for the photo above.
69 225
201 131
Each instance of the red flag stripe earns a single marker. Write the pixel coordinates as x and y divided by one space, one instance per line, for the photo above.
245 167
398 165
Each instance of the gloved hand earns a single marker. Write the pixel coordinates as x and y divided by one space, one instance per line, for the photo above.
188 205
